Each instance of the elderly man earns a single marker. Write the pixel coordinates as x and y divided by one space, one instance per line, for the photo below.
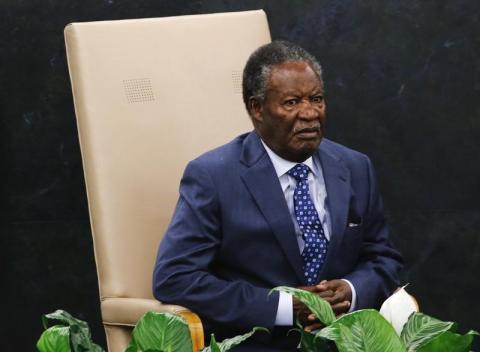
281 205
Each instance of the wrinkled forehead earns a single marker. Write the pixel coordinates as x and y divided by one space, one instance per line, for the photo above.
293 76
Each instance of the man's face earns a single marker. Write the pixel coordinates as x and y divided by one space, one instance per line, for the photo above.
291 118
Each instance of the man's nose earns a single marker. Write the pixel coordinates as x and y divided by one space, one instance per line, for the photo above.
307 110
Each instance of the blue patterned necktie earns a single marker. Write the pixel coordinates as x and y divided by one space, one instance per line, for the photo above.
316 244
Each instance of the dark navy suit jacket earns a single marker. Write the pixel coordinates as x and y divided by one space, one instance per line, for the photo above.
232 239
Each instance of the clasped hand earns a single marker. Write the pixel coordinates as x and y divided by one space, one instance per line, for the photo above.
335 292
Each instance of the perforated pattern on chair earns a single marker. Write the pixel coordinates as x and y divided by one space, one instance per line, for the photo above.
237 81
138 90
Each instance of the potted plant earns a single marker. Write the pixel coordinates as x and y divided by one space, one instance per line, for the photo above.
359 331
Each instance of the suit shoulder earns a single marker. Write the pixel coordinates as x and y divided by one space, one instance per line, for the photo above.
342 152
222 155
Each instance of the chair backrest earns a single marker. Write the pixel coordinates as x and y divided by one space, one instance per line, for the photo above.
150 95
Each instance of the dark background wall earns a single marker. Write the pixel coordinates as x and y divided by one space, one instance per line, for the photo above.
403 85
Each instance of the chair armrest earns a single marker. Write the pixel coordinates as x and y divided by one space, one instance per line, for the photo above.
127 311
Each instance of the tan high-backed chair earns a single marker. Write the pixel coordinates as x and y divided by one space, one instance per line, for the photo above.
150 95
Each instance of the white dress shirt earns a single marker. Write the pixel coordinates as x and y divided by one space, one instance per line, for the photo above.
318 192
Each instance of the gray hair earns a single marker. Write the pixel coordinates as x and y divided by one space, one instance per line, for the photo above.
259 66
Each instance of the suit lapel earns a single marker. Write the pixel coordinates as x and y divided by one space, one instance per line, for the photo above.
264 186
337 178
262 182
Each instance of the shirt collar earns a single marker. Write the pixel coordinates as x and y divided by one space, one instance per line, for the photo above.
281 165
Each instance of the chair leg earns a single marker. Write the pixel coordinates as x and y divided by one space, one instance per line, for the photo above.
118 337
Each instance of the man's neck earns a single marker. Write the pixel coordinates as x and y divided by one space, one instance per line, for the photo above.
282 165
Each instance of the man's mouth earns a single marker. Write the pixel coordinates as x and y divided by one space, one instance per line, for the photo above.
308 133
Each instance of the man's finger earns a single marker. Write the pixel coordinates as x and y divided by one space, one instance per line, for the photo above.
310 288
338 297
312 327
341 307
325 294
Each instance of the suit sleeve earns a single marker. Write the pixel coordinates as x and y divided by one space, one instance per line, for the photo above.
376 274
182 272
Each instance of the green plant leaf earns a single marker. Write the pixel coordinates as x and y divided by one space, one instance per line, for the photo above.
312 343
450 342
63 317
420 329
362 331
160 332
80 336
343 338
213 345
55 339
321 308
227 344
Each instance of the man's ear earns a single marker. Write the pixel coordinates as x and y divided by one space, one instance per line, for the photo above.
255 108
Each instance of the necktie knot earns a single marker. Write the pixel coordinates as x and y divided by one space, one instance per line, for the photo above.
299 172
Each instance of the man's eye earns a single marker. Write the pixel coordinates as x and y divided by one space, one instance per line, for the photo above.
291 102
317 99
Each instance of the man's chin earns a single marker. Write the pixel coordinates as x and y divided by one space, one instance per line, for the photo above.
306 150
309 146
